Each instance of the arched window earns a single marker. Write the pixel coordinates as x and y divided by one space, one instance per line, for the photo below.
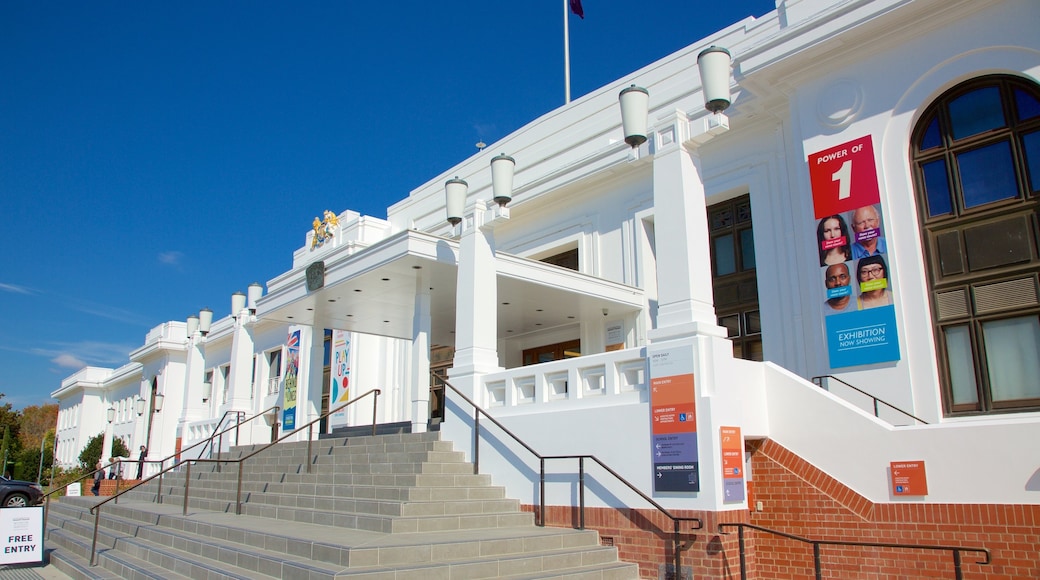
976 160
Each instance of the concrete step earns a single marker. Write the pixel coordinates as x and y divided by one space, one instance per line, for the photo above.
401 506
228 546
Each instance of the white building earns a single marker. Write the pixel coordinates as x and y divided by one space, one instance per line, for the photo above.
625 290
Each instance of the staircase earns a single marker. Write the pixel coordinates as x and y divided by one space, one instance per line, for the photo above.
385 507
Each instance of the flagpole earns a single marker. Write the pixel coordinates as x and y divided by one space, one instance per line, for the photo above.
566 56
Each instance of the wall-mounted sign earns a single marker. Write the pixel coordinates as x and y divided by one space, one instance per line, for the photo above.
853 256
732 446
615 336
673 419
908 478
315 276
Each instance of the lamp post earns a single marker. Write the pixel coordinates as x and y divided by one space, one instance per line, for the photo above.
156 406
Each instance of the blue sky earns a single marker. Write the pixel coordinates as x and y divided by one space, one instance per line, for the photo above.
155 157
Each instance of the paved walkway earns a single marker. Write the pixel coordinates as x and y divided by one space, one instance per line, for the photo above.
31 572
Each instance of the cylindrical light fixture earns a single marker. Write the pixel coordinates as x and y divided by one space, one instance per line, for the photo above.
111 413
714 65
238 302
207 391
254 292
158 398
193 324
455 191
502 167
635 101
139 406
205 320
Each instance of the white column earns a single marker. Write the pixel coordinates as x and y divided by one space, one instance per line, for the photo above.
686 302
241 376
476 299
194 375
311 383
420 367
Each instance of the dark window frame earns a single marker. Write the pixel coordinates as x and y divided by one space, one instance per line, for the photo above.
961 221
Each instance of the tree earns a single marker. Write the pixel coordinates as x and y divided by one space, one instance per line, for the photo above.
35 422
91 454
6 451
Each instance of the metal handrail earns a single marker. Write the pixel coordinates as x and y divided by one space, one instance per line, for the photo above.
115 496
676 540
310 437
959 574
221 422
46 498
818 381
238 499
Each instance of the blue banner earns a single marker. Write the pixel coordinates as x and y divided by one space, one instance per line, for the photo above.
862 337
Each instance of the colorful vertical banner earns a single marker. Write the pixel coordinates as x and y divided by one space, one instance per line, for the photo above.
339 375
853 255
673 420
292 371
732 446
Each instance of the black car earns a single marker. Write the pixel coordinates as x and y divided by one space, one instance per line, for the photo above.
15 493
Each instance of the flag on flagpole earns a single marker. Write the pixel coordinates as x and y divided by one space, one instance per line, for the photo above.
577 9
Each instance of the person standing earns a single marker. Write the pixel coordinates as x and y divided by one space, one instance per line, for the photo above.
140 461
99 475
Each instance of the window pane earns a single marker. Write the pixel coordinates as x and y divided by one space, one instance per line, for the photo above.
962 369
931 137
1013 358
987 174
1028 105
725 256
731 323
753 322
975 112
747 250
722 219
937 187
1031 147
753 350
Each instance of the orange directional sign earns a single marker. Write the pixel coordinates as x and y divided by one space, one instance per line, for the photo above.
732 446
908 478
673 420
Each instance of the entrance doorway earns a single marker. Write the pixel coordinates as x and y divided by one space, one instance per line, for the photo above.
734 277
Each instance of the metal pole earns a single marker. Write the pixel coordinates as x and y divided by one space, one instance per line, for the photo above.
566 57
677 574
581 492
238 496
187 483
93 544
476 443
541 492
39 470
375 401
816 560
310 434
957 565
743 560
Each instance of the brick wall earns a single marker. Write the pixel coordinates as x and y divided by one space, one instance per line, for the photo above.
799 499
108 486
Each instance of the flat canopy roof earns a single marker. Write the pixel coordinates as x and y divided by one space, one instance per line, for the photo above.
373 291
